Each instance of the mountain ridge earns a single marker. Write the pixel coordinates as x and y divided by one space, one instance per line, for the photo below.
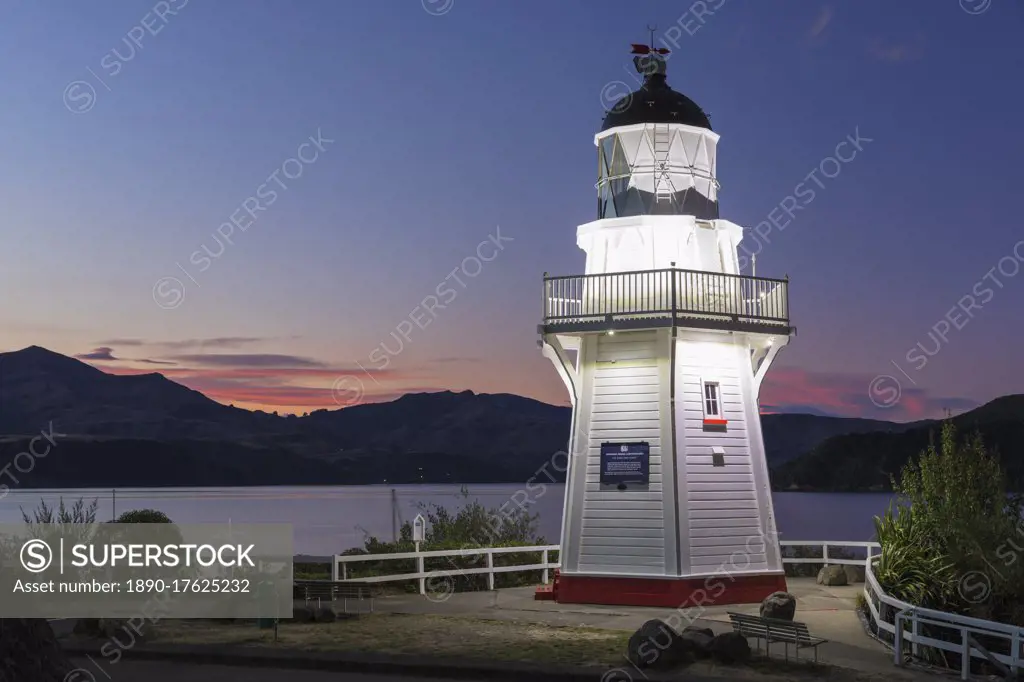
439 437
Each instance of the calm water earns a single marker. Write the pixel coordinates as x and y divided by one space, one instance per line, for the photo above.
331 519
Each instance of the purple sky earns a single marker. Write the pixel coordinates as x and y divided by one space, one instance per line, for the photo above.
133 131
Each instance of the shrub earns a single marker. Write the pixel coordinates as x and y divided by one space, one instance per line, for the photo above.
143 516
471 526
954 519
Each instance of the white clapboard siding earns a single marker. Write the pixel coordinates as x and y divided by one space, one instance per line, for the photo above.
722 504
623 531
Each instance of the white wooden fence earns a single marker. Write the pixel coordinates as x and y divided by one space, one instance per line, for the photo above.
902 622
339 567
423 575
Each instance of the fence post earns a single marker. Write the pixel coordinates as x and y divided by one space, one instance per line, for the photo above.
420 569
544 560
914 646
824 553
1015 658
490 569
334 568
897 648
672 274
344 571
965 655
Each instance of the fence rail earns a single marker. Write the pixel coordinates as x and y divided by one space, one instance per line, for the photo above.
339 567
665 297
904 624
898 623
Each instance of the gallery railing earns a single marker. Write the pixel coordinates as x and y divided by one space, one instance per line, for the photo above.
666 296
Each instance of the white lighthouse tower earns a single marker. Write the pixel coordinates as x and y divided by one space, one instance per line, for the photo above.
663 345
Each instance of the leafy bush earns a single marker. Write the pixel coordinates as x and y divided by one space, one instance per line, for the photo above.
143 516
471 526
955 520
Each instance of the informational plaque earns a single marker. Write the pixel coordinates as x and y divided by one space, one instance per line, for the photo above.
624 464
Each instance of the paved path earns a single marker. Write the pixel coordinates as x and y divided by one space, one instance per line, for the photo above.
829 612
160 671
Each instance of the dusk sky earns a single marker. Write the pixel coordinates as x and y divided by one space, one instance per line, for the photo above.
444 128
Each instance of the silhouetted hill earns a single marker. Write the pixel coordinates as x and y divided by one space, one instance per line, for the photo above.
787 436
146 430
38 386
865 461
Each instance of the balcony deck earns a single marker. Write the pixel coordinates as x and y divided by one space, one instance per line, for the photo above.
665 298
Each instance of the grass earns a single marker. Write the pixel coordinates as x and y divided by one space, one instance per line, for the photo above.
442 636
482 640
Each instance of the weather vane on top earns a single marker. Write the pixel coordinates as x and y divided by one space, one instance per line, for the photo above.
650 60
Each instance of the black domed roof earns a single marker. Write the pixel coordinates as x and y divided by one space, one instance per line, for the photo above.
655 102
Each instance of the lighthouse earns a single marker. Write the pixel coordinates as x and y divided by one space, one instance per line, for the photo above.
663 345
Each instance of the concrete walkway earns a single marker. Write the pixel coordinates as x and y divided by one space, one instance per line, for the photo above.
829 612
163 671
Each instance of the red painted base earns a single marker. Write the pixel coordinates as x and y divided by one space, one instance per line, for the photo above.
668 592
544 593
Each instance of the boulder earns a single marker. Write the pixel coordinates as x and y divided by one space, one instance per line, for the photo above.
854 574
779 605
730 647
832 576
88 627
302 614
693 628
111 627
698 641
658 647
325 615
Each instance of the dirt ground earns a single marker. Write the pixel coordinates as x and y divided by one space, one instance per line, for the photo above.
488 640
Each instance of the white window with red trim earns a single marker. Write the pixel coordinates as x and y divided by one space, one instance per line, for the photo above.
711 399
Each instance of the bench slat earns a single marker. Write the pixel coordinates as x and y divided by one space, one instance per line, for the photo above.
771 629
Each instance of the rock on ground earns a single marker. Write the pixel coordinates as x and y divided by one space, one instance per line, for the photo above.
854 574
302 614
832 576
730 647
779 605
325 615
698 641
657 646
29 652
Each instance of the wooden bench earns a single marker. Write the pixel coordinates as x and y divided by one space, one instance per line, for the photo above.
772 630
321 590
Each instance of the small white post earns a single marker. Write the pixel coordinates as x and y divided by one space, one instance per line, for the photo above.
544 560
490 569
419 534
334 568
344 570
824 553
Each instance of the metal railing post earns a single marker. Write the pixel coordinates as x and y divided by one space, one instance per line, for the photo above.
544 560
334 568
545 297
672 274
824 553
344 571
490 569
